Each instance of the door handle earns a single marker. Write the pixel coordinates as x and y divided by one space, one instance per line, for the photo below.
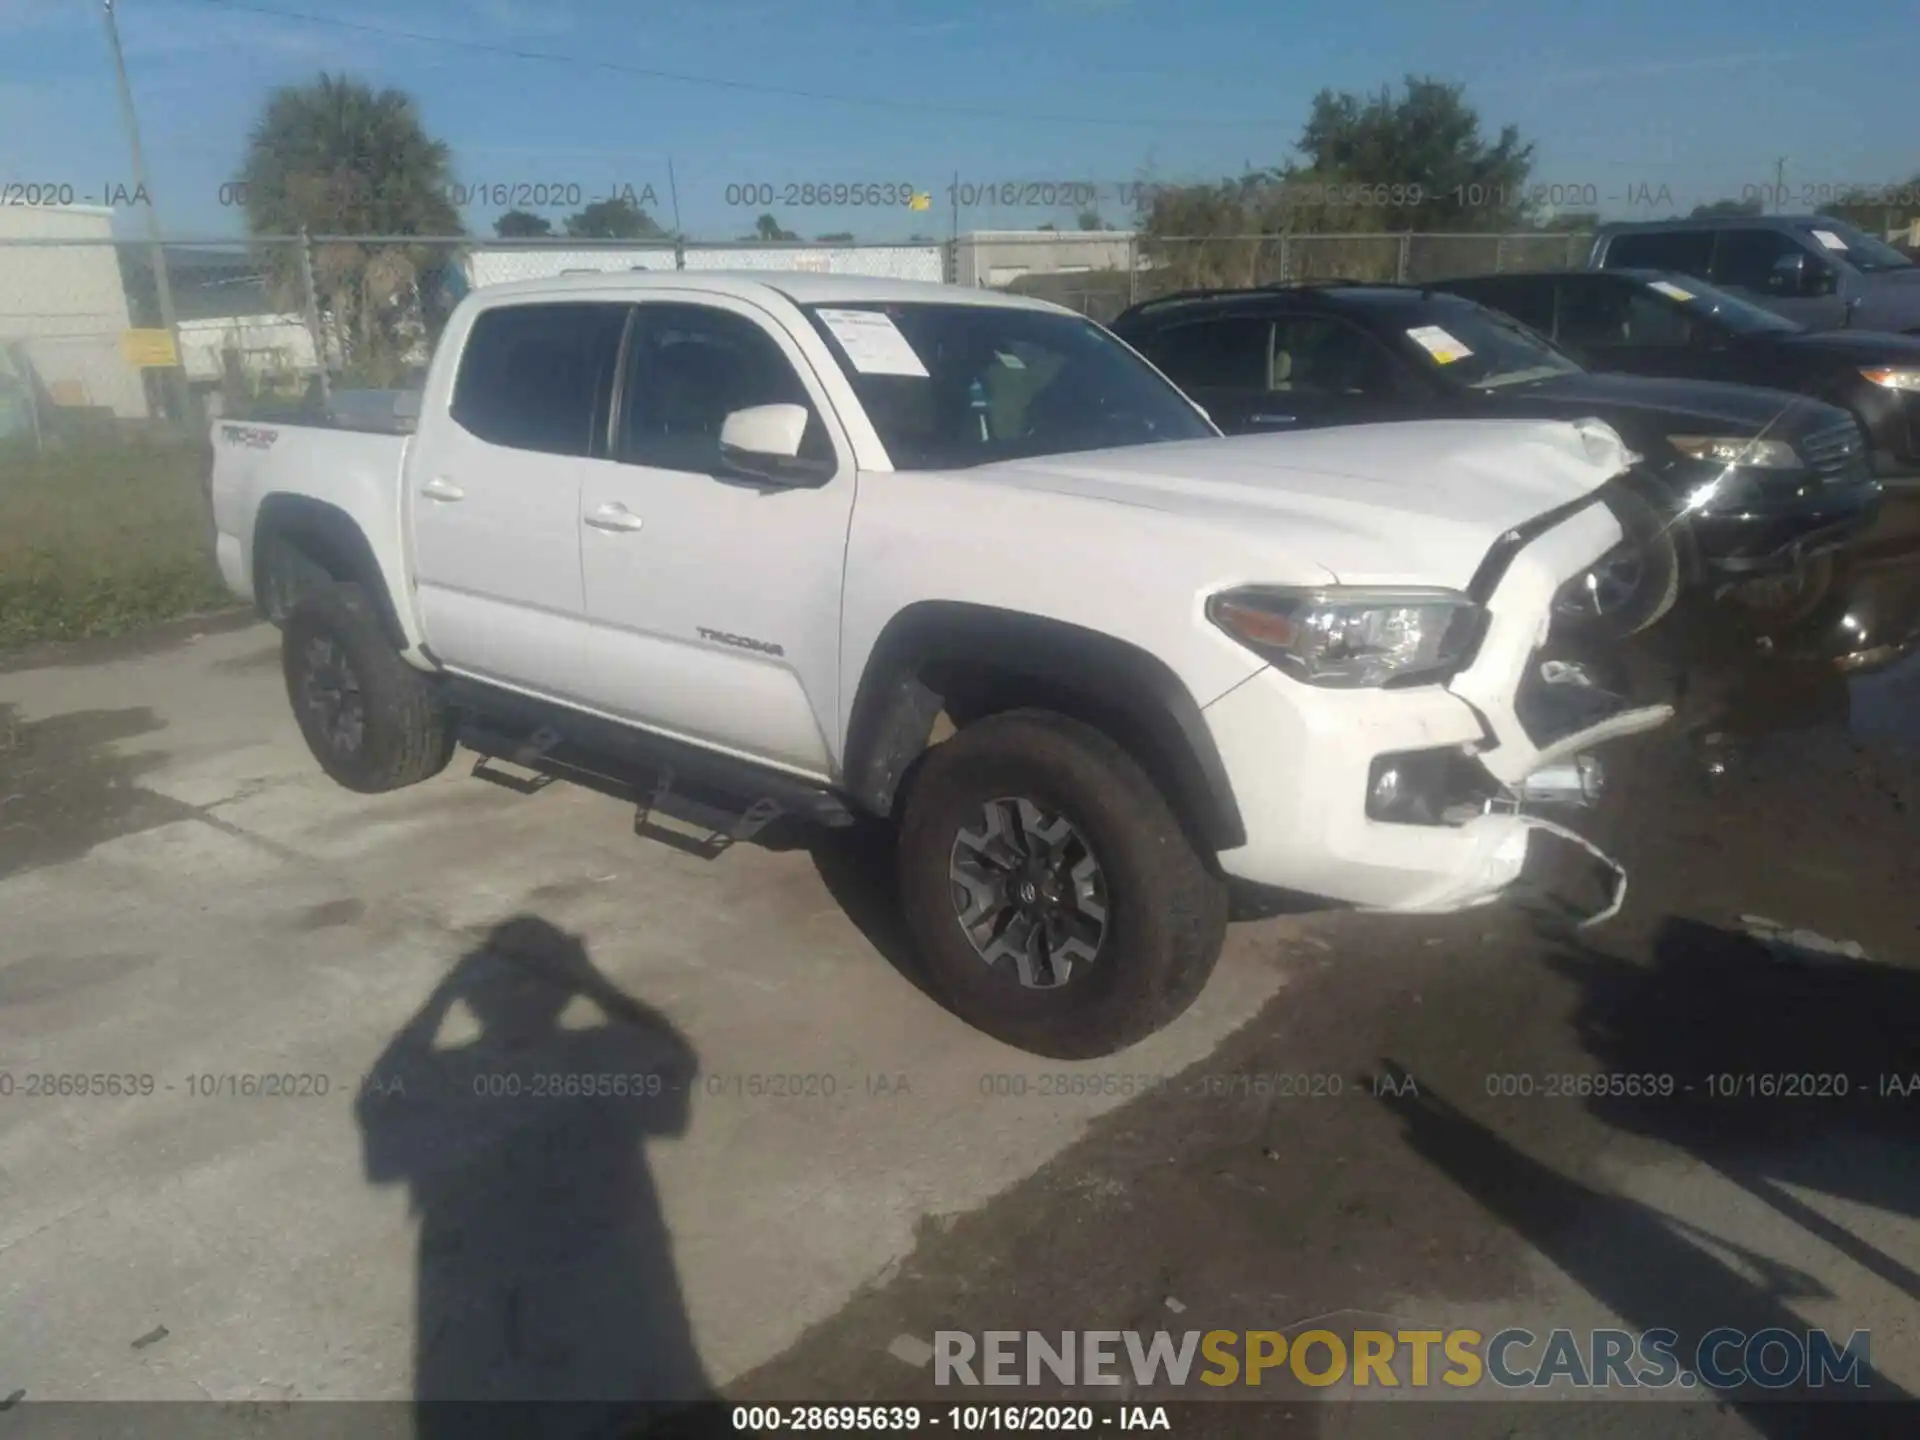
441 488
1271 419
614 516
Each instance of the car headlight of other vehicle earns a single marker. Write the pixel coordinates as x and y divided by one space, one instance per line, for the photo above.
1894 377
1351 637
1737 450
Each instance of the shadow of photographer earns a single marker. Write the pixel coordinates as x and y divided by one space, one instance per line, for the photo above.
545 1270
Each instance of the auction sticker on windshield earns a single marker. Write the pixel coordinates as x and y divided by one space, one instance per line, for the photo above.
873 342
1829 239
1438 343
1667 287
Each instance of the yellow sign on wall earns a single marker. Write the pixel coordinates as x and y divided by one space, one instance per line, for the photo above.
148 349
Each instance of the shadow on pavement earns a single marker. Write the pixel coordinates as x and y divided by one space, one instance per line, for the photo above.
545 1269
1652 1271
1793 1067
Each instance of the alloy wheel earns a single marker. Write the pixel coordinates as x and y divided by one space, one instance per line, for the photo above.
1028 892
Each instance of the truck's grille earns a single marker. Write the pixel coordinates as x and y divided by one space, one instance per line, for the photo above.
1834 451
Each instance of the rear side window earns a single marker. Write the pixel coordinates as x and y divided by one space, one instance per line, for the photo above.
1225 354
538 377
1688 251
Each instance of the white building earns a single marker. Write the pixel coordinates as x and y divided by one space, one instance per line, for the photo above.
997 258
64 307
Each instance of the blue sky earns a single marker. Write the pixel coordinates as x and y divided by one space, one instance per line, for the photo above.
1700 97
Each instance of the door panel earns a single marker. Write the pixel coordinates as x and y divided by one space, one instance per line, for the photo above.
714 600
494 495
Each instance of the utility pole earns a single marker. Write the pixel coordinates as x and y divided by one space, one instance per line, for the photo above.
1779 183
175 377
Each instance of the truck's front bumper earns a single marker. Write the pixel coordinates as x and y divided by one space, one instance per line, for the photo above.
1303 758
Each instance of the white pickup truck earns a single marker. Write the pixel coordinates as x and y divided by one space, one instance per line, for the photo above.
963 562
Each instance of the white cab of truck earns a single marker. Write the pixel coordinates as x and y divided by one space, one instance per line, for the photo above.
964 565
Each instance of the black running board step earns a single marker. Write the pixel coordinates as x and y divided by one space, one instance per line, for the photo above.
506 726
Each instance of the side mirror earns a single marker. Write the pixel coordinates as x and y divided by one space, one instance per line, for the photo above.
1789 275
762 442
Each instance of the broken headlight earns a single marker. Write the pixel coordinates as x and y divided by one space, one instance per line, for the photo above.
1351 637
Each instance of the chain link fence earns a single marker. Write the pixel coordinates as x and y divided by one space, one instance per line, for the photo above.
289 320
115 355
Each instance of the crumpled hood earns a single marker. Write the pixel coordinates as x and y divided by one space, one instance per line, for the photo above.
1416 503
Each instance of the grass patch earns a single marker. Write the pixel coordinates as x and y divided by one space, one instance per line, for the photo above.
103 538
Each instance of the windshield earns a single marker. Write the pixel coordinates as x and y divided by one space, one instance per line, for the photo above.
948 386
1742 317
1863 251
1482 349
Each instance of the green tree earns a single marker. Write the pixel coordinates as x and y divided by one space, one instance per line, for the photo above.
618 218
522 225
337 157
768 228
1752 205
1573 222
1426 140
838 237
1090 220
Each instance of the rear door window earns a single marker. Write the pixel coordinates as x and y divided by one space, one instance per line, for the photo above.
1229 353
539 377
1688 251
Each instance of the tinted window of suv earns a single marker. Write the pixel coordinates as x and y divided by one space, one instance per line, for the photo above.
1688 251
1747 257
689 367
1608 311
1318 355
1227 353
537 377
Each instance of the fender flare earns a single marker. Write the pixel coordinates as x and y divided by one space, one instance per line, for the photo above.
936 647
332 538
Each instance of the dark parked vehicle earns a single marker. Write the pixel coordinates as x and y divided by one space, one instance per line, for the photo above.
1654 322
1751 484
1819 271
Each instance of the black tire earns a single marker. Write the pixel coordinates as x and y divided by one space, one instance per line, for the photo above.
372 721
1165 912
1648 557
1779 601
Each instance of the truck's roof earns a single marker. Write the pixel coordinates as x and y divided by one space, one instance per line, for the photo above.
801 287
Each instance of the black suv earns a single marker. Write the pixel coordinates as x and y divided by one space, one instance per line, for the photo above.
1753 482
1660 322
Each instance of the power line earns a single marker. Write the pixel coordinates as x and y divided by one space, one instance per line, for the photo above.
721 83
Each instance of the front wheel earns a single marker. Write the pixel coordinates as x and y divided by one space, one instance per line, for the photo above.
1054 898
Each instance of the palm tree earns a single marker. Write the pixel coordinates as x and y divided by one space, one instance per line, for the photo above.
337 157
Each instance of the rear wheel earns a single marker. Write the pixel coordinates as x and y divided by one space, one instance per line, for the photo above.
1054 898
372 721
